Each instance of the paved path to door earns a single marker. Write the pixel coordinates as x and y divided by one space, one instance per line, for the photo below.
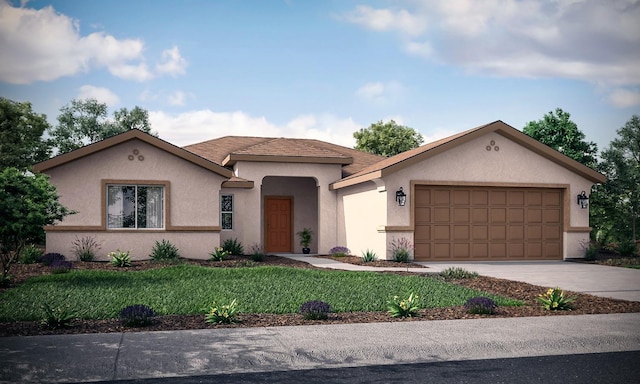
598 280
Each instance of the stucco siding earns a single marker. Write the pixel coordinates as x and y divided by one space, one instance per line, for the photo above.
364 209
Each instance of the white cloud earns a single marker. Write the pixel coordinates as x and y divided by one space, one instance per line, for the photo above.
371 91
380 93
172 63
44 45
103 95
196 126
590 40
624 98
177 98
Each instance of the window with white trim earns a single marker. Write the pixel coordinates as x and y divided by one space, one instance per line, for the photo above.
226 211
135 206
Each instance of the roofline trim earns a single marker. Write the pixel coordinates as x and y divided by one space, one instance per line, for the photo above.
232 158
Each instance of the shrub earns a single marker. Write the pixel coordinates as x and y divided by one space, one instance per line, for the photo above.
85 248
453 273
315 310
218 254
555 300
401 249
57 317
137 315
256 253
481 306
233 247
627 248
403 308
49 258
369 256
30 254
61 266
339 251
591 252
120 258
222 314
164 251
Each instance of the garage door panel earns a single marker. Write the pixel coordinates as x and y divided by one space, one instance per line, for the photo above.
487 223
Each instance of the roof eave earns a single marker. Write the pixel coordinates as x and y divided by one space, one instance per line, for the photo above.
232 158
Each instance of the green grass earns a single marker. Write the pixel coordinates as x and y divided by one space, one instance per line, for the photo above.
188 289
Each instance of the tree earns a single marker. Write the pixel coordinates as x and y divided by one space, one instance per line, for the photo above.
27 203
616 204
560 133
84 122
21 130
387 139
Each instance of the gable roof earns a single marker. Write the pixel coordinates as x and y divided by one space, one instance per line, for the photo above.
127 136
230 149
413 156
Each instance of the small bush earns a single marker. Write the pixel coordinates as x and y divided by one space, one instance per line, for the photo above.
31 254
401 249
339 251
627 248
85 248
49 258
61 266
315 310
218 254
233 247
57 317
120 258
403 308
165 251
137 315
453 273
555 300
481 306
222 314
256 253
369 256
591 252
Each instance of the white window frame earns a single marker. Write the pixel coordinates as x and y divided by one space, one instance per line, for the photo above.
162 213
223 212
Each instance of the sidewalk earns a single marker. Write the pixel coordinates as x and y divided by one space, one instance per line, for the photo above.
139 355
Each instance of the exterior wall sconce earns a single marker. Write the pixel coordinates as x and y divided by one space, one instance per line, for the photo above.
583 200
401 197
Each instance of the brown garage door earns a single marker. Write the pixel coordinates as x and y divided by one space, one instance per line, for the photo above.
480 223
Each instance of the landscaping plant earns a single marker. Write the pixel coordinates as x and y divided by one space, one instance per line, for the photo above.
339 251
57 317
453 273
165 252
48 258
85 248
233 247
401 249
256 253
61 266
481 306
555 300
218 254
369 256
315 310
222 314
31 254
136 315
627 248
403 308
120 258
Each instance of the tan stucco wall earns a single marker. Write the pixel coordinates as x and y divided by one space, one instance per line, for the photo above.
471 163
296 181
192 196
364 209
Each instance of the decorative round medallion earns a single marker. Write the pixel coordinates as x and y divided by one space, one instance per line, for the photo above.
130 157
135 152
488 147
497 148
141 158
493 142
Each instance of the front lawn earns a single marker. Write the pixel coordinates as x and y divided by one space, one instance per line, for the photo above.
188 289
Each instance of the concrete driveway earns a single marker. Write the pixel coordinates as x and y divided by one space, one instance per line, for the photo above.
598 280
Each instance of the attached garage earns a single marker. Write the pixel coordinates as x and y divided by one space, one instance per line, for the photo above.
487 223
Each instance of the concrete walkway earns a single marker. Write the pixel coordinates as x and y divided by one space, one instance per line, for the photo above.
142 355
598 280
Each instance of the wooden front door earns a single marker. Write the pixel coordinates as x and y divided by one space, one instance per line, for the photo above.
278 233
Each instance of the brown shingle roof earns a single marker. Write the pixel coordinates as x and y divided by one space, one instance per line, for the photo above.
226 150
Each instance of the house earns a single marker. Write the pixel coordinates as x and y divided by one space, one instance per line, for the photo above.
489 193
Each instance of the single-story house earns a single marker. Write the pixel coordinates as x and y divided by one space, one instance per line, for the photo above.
489 193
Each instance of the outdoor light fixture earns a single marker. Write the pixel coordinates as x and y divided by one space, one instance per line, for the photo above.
583 200
401 197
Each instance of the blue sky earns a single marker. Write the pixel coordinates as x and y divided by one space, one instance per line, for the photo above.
324 69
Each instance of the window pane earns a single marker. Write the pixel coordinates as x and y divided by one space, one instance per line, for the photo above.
129 206
227 220
121 206
150 207
226 203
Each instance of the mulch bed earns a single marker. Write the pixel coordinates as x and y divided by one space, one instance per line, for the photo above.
584 304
